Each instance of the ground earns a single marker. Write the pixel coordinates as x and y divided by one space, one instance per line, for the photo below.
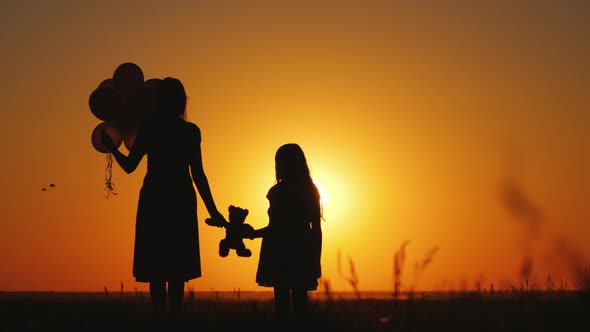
509 311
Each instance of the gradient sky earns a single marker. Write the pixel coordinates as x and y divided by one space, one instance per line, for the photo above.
461 127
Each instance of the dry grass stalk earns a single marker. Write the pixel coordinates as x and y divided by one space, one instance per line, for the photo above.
399 259
353 279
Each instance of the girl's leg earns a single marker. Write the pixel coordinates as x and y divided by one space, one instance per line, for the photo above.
282 303
158 296
175 295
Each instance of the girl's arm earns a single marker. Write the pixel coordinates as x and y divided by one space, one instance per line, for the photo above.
259 232
316 237
316 234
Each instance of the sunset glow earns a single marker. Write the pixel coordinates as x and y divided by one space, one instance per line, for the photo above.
459 130
324 194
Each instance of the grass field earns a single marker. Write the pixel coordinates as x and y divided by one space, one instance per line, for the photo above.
468 311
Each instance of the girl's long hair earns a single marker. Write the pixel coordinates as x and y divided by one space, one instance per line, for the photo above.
291 166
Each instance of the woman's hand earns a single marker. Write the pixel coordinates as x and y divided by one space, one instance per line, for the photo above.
217 220
107 141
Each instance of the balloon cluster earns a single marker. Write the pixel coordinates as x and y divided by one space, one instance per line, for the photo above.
122 102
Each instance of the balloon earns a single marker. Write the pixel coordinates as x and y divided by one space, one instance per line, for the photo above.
105 103
128 77
149 95
152 83
125 122
109 83
141 105
113 133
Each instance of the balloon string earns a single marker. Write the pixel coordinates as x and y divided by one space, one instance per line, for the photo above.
108 175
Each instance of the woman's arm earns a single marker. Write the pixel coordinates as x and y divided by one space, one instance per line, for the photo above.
128 163
202 183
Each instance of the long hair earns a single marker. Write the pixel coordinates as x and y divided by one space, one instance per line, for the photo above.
291 166
171 99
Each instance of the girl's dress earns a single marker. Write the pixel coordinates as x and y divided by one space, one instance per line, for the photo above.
289 252
166 232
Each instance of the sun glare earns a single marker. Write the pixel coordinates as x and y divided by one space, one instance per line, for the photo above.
325 196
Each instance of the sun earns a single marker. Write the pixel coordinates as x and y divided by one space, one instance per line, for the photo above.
324 195
336 202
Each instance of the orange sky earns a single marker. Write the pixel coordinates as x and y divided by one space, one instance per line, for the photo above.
411 117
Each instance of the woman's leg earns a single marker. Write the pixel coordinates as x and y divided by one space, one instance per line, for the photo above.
175 295
158 296
282 302
300 303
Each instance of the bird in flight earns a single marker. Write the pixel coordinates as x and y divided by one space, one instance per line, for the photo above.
51 185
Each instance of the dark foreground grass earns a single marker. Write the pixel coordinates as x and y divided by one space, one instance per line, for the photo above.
466 312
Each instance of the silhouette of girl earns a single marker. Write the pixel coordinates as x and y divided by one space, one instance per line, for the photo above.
291 245
166 234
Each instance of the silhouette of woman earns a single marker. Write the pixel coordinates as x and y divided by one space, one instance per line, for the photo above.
291 245
166 234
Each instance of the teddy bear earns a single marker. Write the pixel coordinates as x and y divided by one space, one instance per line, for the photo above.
235 232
